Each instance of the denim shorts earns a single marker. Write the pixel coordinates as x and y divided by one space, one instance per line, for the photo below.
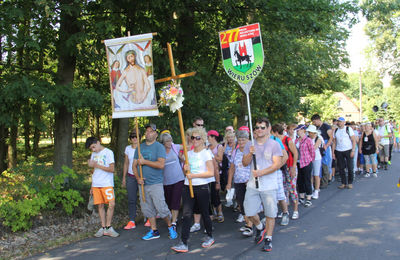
371 159
255 198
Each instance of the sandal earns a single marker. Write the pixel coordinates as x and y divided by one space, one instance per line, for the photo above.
220 218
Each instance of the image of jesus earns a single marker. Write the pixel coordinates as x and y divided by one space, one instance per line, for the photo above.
136 79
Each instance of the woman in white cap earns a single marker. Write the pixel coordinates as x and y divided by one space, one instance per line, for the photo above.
316 172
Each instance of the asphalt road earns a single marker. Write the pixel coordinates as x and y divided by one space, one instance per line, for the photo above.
362 223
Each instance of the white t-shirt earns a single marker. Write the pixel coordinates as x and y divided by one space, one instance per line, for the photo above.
130 152
317 152
343 140
102 178
197 162
381 132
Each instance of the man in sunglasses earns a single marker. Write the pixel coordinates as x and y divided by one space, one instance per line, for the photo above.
198 122
152 160
268 155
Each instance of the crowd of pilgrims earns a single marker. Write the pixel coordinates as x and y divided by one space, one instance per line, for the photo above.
286 165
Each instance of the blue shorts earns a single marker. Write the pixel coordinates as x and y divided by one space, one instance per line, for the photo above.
362 160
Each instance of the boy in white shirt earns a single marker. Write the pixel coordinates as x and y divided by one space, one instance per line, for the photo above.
102 160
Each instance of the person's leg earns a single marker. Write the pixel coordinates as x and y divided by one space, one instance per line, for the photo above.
110 212
301 183
203 199
187 212
317 173
341 165
350 166
307 180
132 188
147 207
175 202
102 215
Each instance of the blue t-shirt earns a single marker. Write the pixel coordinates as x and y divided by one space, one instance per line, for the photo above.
278 140
152 153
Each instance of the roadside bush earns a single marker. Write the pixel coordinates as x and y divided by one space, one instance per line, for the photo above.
31 188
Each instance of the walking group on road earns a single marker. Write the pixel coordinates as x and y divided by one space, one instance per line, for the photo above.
293 163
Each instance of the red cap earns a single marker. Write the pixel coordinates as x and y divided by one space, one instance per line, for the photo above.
244 128
212 132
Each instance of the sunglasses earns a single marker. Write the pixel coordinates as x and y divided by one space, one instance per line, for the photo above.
260 127
132 136
199 125
198 138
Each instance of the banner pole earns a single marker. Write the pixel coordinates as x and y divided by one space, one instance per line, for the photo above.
251 134
140 166
185 152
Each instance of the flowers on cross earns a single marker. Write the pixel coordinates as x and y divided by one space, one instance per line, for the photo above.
172 96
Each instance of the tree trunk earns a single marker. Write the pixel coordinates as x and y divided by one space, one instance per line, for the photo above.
3 148
12 146
122 142
63 139
65 76
27 129
36 121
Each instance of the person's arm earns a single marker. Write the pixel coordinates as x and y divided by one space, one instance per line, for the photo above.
216 174
353 148
293 149
125 172
311 148
119 82
276 162
94 164
376 138
220 154
333 148
330 141
247 158
209 173
360 141
159 164
284 157
231 171
317 143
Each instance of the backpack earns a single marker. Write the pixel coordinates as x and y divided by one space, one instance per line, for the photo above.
347 131
321 147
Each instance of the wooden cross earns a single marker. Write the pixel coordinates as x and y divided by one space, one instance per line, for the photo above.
174 76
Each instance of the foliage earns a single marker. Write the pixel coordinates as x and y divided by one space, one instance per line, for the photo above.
383 28
324 104
31 188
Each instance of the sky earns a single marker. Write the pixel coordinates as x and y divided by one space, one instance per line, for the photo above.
356 47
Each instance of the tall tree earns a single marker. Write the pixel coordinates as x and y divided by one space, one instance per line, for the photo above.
66 46
383 28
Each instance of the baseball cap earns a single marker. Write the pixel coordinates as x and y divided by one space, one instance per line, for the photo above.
299 127
152 126
212 132
341 119
244 128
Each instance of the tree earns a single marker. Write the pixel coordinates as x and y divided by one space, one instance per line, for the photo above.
383 29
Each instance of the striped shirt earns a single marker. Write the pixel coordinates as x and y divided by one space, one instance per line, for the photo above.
307 152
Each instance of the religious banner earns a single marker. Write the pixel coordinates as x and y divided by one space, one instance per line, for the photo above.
243 59
242 54
130 65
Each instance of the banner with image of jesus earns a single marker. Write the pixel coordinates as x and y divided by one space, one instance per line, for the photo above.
130 64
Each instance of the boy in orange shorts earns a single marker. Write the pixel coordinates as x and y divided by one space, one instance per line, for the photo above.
102 160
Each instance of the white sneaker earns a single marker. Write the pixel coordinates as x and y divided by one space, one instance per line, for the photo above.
99 233
367 175
374 175
195 227
240 219
315 195
295 215
110 232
